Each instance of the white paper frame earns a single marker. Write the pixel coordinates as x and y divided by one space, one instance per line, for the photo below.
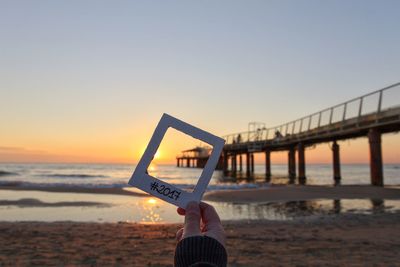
158 188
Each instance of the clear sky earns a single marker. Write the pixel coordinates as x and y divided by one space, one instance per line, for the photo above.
87 81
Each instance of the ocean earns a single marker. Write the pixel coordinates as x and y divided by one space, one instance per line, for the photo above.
53 206
117 175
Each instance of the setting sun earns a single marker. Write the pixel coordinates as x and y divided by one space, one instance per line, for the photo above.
157 155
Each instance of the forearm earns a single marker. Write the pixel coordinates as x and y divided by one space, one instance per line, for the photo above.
200 251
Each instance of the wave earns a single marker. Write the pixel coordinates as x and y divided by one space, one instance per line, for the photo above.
58 175
4 173
235 186
66 185
214 187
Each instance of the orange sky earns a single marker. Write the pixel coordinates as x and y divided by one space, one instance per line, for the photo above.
128 147
85 84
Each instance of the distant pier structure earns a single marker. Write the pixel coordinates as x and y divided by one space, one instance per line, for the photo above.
195 158
369 116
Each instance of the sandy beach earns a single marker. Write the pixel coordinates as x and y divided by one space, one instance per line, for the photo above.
343 239
346 240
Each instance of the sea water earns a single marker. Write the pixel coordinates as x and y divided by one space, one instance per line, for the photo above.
50 206
117 175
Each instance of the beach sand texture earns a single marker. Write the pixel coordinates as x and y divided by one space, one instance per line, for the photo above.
345 240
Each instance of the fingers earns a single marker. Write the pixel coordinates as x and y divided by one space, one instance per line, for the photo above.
209 215
192 220
179 234
212 223
201 219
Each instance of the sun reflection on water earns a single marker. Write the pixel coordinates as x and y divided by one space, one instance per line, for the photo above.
152 201
150 210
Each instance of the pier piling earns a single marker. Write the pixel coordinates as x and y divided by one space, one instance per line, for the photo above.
252 162
225 162
302 164
234 164
374 137
247 164
268 165
336 162
292 163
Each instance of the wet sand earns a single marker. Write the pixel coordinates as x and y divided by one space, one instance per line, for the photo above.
299 192
345 240
272 193
73 189
33 202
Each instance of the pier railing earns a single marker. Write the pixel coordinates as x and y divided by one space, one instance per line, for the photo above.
373 103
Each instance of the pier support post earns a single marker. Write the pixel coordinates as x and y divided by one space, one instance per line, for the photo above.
375 153
247 164
267 165
337 207
302 163
187 163
240 163
234 164
252 162
292 163
225 162
336 162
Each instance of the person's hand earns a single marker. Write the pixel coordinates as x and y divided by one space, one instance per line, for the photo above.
201 219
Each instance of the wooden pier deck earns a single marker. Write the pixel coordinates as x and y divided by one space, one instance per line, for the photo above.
370 116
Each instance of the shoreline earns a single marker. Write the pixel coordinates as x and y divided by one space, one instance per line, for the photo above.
74 189
273 193
345 240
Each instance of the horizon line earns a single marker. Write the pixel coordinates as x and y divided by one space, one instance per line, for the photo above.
163 164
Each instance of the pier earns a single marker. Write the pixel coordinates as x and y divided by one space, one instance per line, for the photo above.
367 116
193 158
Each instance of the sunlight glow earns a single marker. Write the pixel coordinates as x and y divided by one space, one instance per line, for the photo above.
151 167
152 201
157 155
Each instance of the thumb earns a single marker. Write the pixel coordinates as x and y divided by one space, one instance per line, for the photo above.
192 220
179 234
